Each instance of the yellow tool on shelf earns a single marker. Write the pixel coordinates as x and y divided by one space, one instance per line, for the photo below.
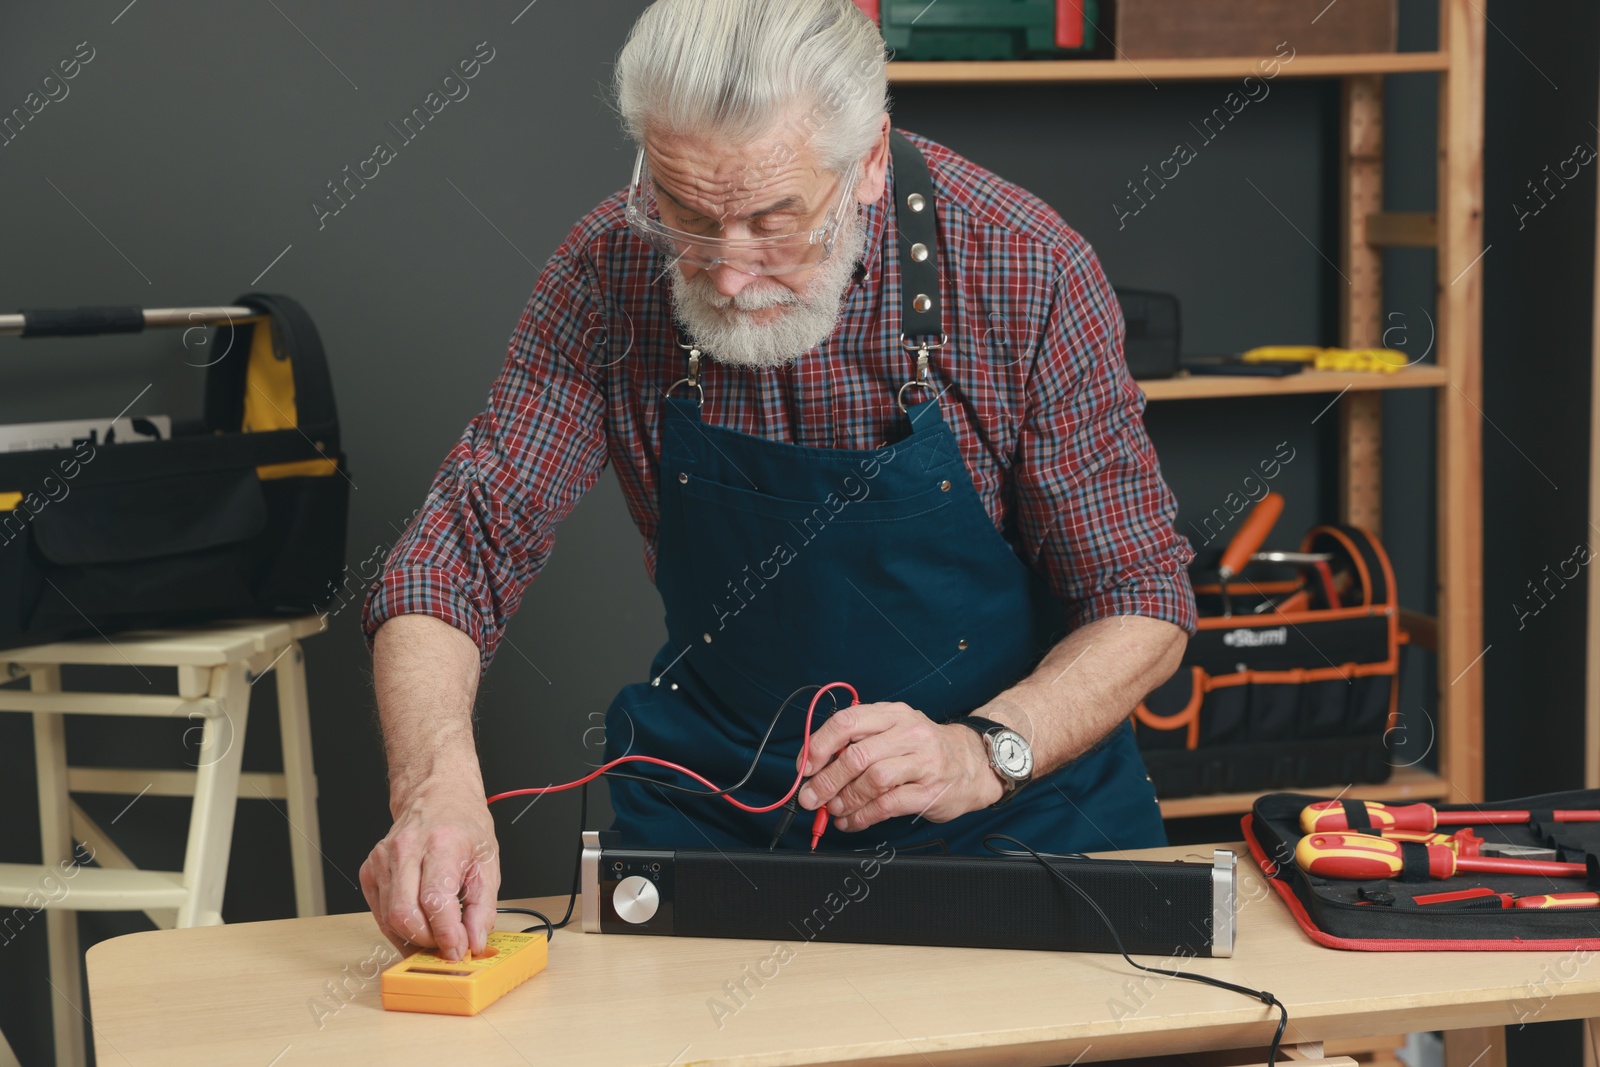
1382 360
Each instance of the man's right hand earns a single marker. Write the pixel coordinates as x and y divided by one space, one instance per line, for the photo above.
432 881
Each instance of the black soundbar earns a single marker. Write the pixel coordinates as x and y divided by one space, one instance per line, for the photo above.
886 897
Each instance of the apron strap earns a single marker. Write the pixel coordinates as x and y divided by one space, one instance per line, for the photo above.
920 316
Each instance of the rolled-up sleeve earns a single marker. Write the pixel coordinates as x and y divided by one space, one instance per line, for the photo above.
1094 513
488 523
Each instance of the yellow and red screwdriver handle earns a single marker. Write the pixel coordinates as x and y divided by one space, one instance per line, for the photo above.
1463 842
1363 857
1559 900
1330 815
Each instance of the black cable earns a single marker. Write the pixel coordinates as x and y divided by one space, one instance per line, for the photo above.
577 861
1256 994
754 762
544 920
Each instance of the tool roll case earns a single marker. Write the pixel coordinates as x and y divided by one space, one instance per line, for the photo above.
1383 915
1301 694
241 512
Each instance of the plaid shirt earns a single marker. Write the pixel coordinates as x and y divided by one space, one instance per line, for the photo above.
1033 384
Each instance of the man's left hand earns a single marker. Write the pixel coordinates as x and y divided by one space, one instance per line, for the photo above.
871 762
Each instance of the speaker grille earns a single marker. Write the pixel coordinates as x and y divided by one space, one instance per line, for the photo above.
976 902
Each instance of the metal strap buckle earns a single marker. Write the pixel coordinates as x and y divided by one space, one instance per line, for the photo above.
921 380
693 378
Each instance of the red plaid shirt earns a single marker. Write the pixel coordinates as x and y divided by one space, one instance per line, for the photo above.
1033 383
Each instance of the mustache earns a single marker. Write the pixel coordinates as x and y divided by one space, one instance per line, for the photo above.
750 298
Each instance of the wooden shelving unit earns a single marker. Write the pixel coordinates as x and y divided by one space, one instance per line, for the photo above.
1128 70
1455 230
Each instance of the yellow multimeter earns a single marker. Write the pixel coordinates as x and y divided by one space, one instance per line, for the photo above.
429 983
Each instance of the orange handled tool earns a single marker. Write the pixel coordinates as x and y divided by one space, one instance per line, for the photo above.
1329 815
1262 518
1560 900
1363 857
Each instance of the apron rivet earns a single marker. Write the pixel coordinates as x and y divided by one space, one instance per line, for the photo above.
915 202
921 302
944 486
707 637
683 478
919 252
674 685
962 644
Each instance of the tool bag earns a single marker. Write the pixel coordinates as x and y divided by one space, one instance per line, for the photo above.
1300 694
1383 915
241 512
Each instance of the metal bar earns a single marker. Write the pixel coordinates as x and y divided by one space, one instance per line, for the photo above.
11 324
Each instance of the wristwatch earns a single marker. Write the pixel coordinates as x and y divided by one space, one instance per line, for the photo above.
1009 754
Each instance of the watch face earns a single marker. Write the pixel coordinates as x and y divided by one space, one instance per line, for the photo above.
1013 755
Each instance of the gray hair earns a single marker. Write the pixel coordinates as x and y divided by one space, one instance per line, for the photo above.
737 68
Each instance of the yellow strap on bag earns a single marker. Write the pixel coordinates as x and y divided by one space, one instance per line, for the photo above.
269 404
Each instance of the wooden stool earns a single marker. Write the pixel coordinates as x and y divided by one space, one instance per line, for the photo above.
216 666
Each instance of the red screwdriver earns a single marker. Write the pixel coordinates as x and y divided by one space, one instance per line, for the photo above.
1329 815
1363 857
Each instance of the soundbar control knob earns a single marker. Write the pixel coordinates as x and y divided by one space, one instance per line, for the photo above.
636 899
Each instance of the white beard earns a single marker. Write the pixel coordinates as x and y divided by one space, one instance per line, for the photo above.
809 320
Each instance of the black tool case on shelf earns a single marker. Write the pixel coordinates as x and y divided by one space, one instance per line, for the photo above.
1296 696
241 512
1382 915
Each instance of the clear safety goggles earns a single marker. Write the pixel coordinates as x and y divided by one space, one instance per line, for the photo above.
781 254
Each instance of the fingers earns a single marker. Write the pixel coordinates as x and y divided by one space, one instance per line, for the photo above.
372 890
480 892
878 779
914 798
397 886
439 896
850 724
868 732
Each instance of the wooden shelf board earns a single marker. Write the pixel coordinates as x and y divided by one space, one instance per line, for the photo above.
968 72
1201 386
1406 783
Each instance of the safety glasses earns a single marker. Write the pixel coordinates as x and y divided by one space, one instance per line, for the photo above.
787 253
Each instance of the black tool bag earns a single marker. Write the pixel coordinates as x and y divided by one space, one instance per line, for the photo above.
239 513
1301 694
1384 914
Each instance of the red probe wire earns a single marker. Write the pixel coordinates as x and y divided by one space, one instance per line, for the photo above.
800 775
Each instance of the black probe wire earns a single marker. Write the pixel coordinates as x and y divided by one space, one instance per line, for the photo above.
583 810
544 921
577 872
754 762
1256 994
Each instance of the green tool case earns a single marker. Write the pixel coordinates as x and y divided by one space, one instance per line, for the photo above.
987 29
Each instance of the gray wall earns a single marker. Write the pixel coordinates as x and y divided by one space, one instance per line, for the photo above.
188 153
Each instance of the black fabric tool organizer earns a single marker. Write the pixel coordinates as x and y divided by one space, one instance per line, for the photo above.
1382 915
239 512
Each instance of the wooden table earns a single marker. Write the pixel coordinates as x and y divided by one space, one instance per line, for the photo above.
294 991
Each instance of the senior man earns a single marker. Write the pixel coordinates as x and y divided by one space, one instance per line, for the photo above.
868 406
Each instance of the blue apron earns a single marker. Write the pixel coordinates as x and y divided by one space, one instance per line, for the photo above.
782 568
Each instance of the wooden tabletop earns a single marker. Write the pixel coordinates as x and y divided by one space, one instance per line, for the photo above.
293 991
